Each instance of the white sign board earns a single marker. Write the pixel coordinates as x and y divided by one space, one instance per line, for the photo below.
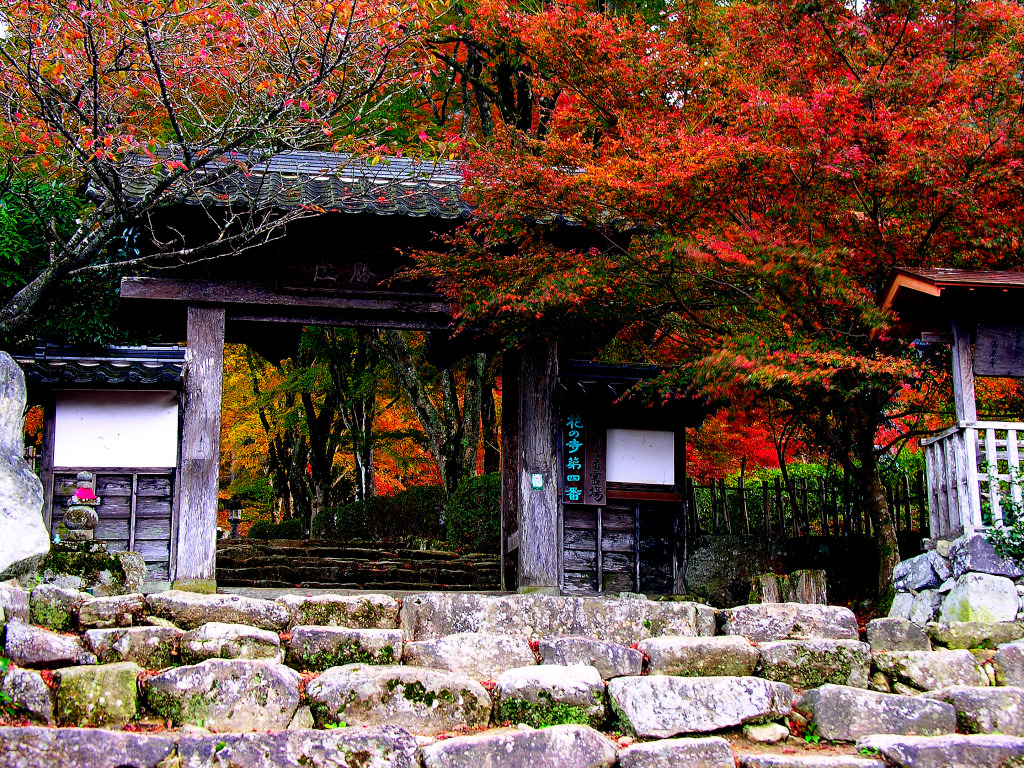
641 456
116 428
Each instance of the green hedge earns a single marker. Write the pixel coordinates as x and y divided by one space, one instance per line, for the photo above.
286 529
414 512
473 514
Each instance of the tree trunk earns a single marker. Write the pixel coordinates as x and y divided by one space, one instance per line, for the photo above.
489 419
881 521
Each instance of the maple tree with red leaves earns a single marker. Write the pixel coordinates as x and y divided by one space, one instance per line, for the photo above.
109 95
770 162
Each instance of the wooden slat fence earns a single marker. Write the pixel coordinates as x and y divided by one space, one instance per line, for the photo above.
803 507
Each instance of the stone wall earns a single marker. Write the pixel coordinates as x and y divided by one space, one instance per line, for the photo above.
397 565
449 680
961 580
719 568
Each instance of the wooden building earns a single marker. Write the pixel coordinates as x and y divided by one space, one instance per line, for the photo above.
336 268
115 413
974 467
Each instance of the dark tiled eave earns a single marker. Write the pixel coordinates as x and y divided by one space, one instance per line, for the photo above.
331 182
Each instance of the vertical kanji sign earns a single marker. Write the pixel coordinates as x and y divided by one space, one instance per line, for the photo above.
583 471
573 454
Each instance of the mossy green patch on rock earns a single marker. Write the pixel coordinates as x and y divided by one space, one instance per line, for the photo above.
98 695
544 713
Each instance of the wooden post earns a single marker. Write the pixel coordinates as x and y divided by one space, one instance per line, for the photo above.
196 557
679 540
963 373
540 535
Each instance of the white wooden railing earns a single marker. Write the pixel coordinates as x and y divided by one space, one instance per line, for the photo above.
974 475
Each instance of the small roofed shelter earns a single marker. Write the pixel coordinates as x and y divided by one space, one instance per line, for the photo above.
973 468
115 413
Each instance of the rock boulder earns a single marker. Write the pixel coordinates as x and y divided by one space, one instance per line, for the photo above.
560 746
77 747
538 695
810 663
352 611
893 634
25 540
226 695
954 751
104 694
474 654
149 647
610 659
766 622
985 710
660 706
190 610
841 713
423 701
215 640
929 670
705 752
30 646
700 656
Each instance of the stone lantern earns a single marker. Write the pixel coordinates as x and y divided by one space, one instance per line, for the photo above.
81 519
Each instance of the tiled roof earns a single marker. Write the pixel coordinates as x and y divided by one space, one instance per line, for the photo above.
113 365
333 182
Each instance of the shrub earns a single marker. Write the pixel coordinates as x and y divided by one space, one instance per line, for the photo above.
262 529
287 529
414 512
473 516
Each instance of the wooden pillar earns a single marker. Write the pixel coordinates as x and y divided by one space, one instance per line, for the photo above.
679 539
963 373
539 531
195 562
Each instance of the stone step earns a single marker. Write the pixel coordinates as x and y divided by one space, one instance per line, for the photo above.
808 761
953 751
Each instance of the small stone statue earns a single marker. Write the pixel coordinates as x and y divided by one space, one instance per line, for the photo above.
81 518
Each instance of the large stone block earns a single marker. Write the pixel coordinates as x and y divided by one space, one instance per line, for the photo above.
701 752
474 654
190 610
32 747
55 607
985 710
105 694
980 597
790 621
30 693
436 614
352 611
841 713
1009 664
421 700
216 640
660 706
972 553
809 761
925 606
560 746
610 659
700 656
226 695
149 647
25 539
14 602
810 663
30 646
974 634
929 670
901 605
955 751
915 574
320 648
382 747
117 611
538 695
894 634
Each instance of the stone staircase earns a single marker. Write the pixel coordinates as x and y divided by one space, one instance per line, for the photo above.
315 565
456 680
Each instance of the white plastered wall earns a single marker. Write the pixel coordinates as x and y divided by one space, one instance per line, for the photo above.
641 456
115 428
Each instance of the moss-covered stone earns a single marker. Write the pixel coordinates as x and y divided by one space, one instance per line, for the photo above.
811 663
320 648
544 713
105 694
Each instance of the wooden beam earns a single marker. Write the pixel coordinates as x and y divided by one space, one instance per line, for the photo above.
195 560
963 373
540 534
